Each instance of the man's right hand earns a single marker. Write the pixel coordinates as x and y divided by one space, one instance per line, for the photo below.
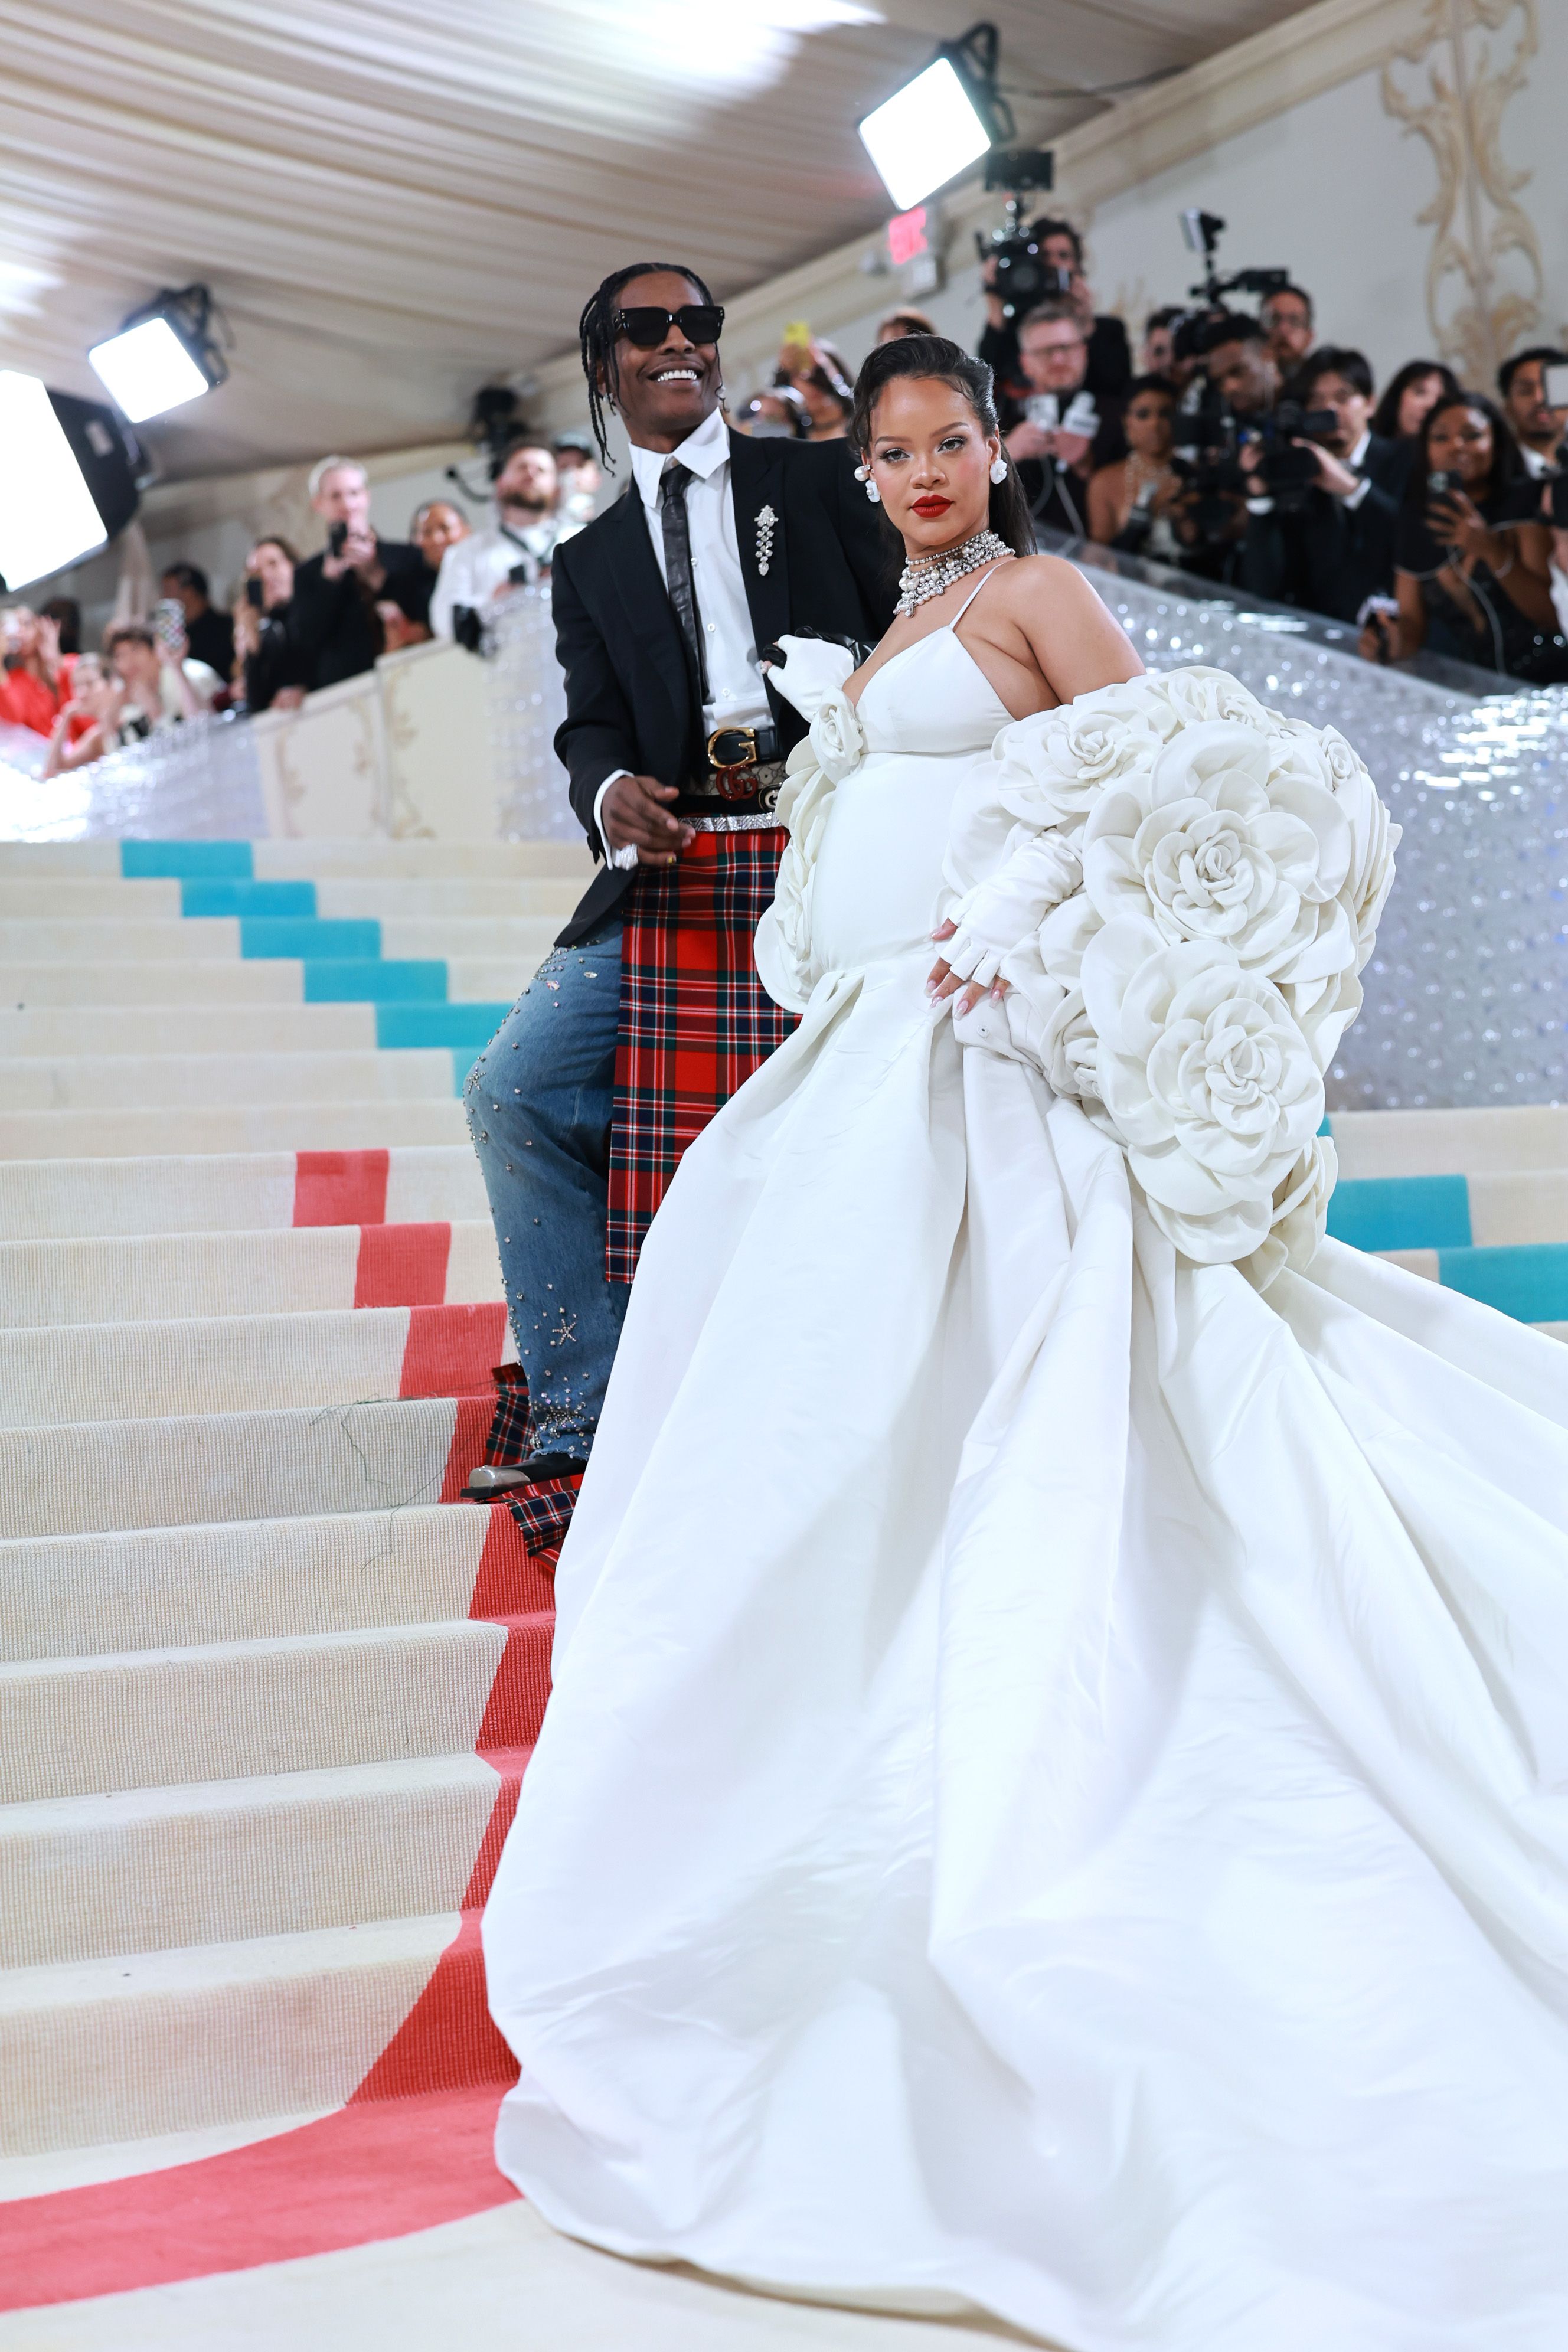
634 815
1028 440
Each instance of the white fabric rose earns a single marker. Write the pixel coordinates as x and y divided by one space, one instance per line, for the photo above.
1195 696
1301 1215
838 738
1214 853
1208 1080
1051 767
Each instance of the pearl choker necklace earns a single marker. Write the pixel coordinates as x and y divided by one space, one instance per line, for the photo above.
926 576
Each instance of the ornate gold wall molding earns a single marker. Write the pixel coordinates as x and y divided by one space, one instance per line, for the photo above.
1484 278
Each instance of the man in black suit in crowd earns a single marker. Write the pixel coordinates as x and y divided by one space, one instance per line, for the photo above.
664 606
1108 359
334 629
1336 549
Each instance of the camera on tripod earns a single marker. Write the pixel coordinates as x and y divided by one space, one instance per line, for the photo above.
1021 278
1203 232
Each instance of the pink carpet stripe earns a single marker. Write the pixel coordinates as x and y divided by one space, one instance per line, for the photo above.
450 1349
340 1188
402 1265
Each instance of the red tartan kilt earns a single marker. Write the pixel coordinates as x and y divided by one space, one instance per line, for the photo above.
695 1019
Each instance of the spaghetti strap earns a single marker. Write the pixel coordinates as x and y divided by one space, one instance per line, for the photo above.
976 591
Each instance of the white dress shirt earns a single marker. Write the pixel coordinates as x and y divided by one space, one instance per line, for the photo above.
737 696
474 568
1536 464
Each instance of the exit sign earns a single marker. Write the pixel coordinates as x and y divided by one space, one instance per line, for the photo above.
907 236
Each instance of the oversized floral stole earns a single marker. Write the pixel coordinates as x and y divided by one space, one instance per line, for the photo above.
1180 887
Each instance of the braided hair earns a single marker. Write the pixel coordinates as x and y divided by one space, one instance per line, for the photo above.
596 336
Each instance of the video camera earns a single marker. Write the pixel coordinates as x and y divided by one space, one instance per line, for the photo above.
1022 279
1203 232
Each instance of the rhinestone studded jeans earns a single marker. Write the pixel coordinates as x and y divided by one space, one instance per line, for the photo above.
539 1101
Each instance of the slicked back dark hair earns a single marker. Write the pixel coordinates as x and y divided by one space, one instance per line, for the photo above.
931 358
596 335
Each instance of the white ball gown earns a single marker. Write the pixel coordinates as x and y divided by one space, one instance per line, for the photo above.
1053 1797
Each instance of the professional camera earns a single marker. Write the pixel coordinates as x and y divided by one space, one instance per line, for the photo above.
1203 232
1206 452
1291 474
1022 279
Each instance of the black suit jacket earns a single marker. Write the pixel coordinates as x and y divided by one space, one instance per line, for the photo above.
833 571
1330 558
334 630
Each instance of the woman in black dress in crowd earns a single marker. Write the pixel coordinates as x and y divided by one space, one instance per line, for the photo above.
1473 552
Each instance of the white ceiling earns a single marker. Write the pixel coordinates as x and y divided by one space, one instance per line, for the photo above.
397 201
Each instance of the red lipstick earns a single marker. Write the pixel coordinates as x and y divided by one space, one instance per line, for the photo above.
930 506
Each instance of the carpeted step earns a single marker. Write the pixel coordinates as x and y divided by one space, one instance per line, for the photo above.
139 2044
240 1191
115 1082
145 1870
1508 1140
181 1587
246 1363
73 1029
193 1130
500 897
99 981
288 1269
47 940
520 942
86 1476
228 1710
1431 1213
289 859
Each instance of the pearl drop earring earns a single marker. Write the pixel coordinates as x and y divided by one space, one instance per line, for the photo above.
998 468
863 473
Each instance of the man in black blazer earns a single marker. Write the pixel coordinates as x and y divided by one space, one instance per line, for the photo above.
1333 551
649 1012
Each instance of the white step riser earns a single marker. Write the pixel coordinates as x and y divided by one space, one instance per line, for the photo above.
155 1719
175 1588
301 1269
1452 1142
84 1878
92 1082
101 1029
99 981
103 900
238 1192
308 1127
313 860
96 1476
130 2048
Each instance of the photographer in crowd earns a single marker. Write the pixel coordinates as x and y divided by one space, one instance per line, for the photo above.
820 378
514 551
1108 362
261 614
1051 431
160 684
1472 559
1325 494
579 475
437 526
1286 318
1536 426
209 634
335 631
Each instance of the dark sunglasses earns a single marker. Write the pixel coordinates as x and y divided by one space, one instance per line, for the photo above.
646 328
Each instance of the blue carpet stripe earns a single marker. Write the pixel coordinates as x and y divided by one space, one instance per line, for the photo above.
1528 1280
244 897
309 938
465 1028
1386 1213
177 861
366 981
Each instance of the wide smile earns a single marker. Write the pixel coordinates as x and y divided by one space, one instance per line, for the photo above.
679 372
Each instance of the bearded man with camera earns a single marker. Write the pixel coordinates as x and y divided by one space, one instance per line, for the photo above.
335 631
1324 493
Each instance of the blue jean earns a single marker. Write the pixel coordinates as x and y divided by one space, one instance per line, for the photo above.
538 1101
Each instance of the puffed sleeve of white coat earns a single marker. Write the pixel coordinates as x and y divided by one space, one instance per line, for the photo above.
812 678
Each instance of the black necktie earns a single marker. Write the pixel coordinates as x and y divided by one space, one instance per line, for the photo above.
678 575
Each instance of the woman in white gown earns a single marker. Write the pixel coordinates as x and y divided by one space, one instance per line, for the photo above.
1053 1798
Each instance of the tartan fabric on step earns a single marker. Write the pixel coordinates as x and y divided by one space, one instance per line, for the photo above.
695 1019
511 1440
543 1511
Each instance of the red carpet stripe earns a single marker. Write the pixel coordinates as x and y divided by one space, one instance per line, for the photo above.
402 1265
450 1349
340 1188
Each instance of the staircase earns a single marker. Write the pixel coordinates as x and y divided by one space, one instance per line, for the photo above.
266 1687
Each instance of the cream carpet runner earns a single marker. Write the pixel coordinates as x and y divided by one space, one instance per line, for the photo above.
268 1686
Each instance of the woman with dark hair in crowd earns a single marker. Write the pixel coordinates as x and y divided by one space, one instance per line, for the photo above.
1409 398
817 372
1472 559
1130 500
261 621
35 681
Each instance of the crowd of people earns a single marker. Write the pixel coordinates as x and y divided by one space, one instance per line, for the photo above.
1249 451
297 621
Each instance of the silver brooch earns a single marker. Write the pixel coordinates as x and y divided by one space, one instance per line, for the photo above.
767 523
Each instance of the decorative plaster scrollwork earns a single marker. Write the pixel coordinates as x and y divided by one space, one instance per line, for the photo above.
1484 277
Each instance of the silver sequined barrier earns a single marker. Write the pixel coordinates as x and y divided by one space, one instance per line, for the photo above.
527 703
